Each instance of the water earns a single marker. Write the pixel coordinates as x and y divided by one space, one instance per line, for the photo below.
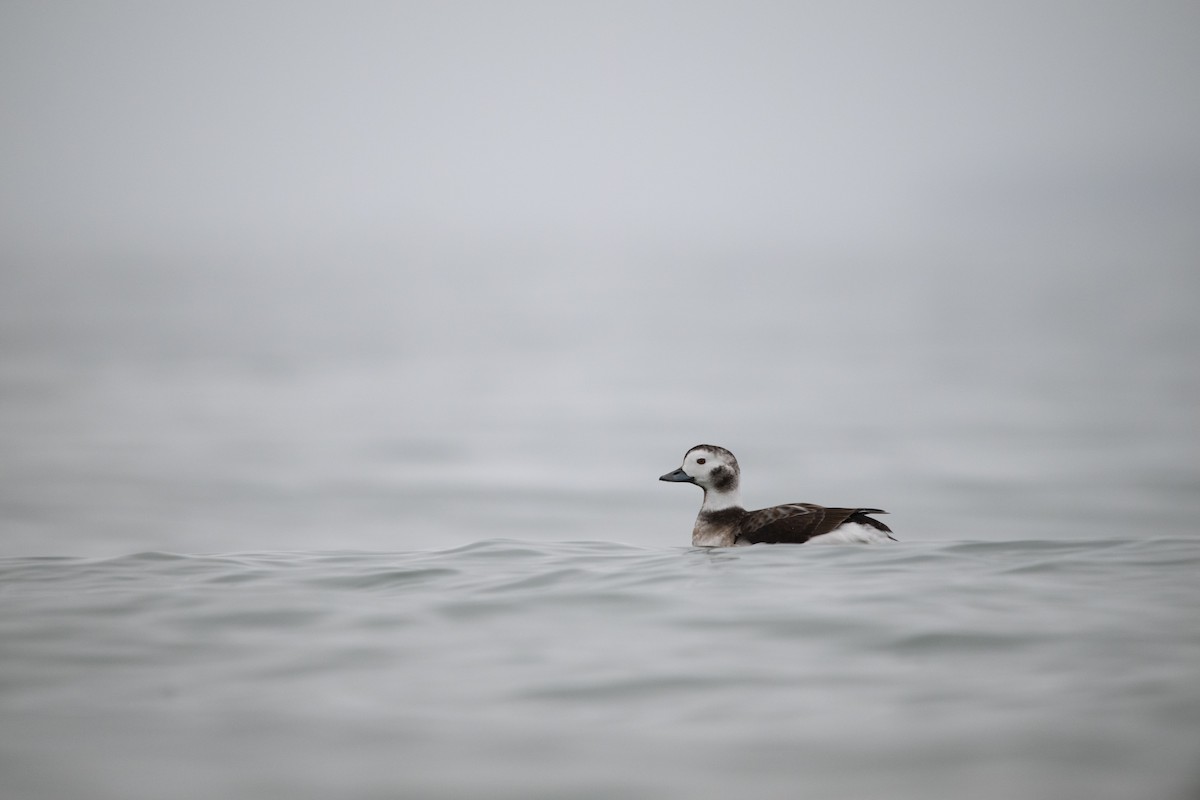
388 532
219 407
510 668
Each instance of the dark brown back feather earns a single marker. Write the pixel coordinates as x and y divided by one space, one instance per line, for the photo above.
798 522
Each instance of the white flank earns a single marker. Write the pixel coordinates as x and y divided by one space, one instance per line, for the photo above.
851 533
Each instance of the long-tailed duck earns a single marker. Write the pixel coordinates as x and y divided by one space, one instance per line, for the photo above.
724 522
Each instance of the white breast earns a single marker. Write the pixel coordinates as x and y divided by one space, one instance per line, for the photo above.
712 539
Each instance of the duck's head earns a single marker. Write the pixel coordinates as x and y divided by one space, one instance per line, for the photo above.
712 468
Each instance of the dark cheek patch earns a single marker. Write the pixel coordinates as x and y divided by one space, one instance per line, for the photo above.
723 479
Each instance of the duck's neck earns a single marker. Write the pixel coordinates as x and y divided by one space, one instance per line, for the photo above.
720 500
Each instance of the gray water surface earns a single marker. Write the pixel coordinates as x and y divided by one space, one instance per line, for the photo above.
508 668
441 564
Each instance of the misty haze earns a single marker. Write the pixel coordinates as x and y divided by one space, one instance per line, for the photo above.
341 347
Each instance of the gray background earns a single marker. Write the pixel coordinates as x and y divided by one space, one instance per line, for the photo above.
373 276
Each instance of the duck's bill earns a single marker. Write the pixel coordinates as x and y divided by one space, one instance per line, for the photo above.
678 476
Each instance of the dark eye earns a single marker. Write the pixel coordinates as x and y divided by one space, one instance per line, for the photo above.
699 460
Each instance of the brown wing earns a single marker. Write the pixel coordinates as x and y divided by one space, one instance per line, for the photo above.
798 522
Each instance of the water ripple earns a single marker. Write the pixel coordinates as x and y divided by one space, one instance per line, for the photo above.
504 652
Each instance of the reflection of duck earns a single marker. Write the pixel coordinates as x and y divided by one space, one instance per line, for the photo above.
724 522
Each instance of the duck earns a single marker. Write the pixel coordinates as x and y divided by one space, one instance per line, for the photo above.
724 522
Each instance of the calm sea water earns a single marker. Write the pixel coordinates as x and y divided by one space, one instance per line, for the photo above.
509 668
439 563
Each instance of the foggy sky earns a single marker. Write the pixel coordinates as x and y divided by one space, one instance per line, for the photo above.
293 127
